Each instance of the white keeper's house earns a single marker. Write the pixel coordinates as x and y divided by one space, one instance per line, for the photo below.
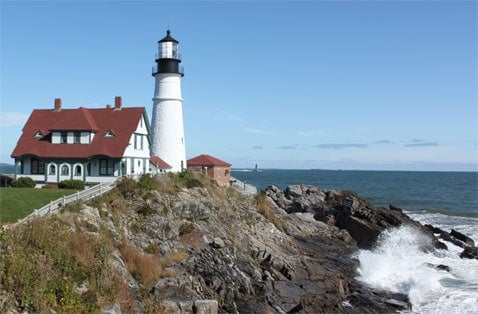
92 145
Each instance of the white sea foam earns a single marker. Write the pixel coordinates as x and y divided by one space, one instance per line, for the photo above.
398 264
465 225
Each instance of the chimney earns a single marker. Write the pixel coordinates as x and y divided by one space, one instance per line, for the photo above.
118 102
108 106
57 104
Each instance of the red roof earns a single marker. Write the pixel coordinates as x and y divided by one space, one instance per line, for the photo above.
122 123
207 160
159 163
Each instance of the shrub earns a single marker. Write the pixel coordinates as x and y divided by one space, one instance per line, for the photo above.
42 270
153 248
146 208
126 186
188 179
148 182
23 182
145 268
185 228
72 184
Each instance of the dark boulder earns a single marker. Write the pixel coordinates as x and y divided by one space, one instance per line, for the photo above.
345 210
460 236
470 252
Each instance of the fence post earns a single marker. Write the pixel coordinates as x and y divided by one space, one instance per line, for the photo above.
64 200
77 196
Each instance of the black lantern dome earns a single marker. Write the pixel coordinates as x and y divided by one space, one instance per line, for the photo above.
168 56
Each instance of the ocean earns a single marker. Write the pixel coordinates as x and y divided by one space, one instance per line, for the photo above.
448 200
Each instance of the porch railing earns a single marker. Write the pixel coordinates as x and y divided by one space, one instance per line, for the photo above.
56 205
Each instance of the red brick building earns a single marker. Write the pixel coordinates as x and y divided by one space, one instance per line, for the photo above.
215 168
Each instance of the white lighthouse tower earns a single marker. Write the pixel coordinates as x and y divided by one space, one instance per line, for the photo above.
167 119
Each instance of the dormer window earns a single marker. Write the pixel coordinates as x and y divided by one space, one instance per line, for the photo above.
64 137
77 138
109 133
39 134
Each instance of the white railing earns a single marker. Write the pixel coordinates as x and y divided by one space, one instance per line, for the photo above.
56 205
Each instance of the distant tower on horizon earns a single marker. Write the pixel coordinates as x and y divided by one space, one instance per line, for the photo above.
167 120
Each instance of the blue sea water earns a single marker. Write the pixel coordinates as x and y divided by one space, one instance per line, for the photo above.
448 200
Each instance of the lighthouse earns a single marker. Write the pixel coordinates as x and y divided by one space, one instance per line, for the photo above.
167 118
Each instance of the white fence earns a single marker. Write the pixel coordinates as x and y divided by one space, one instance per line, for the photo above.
86 194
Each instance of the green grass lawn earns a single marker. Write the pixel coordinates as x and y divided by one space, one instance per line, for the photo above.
16 203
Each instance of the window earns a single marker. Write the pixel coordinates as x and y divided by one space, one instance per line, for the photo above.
138 141
106 167
77 138
65 170
109 134
64 138
38 166
88 169
39 134
78 170
52 170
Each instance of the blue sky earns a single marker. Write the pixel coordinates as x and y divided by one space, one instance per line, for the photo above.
313 84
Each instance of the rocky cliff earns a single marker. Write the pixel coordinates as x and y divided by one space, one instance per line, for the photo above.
194 247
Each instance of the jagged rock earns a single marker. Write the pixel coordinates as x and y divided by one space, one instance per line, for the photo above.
186 307
205 307
81 288
443 267
393 207
470 252
345 210
169 307
439 266
218 243
233 259
111 309
293 191
89 219
460 236
190 206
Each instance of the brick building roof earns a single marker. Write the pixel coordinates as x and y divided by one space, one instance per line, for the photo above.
159 163
207 161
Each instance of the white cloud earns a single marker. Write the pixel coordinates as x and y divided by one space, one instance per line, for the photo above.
9 119
341 145
310 133
257 131
421 144
285 147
